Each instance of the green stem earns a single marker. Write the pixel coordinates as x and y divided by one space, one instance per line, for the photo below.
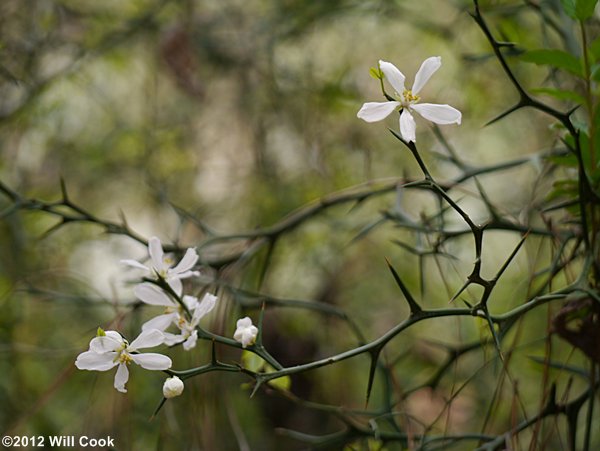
589 101
256 349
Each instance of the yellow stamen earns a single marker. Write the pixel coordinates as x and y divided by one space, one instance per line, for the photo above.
409 96
125 358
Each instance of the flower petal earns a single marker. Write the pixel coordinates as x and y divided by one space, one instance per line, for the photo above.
187 262
156 253
191 302
160 322
135 264
376 111
245 333
114 335
249 336
183 275
440 114
147 339
191 341
153 295
238 334
172 339
94 361
206 305
121 378
427 69
176 285
407 126
393 75
107 343
152 361
243 322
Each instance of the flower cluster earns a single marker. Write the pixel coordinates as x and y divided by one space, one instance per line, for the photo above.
181 311
175 313
162 288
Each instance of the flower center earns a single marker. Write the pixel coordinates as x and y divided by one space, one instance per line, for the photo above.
409 98
124 357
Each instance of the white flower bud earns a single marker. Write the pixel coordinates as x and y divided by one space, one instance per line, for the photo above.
172 387
245 332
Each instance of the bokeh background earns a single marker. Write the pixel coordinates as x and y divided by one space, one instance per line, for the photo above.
193 117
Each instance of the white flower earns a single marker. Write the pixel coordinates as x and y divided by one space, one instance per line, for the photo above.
407 100
162 264
153 295
112 349
245 333
189 333
172 387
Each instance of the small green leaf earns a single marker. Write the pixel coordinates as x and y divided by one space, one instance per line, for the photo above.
100 332
555 58
560 94
376 73
579 9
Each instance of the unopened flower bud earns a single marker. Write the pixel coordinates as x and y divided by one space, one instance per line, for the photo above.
245 332
172 387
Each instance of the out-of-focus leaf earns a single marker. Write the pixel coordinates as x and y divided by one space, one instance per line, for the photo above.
579 9
577 322
568 160
595 72
555 58
560 94
252 362
371 444
594 49
282 383
563 188
256 364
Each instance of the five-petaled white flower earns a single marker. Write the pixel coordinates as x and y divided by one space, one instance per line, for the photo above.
189 333
112 349
162 264
172 387
407 100
245 333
